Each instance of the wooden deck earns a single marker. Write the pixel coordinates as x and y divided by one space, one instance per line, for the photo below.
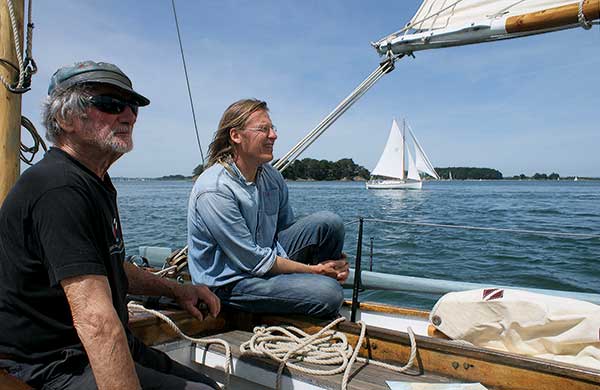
363 376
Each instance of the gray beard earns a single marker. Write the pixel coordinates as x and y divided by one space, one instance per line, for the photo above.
113 144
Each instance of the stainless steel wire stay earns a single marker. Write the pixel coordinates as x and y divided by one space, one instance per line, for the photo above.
384 67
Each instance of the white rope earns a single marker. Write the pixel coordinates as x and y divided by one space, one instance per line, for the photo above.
15 31
204 341
581 17
466 227
326 347
164 271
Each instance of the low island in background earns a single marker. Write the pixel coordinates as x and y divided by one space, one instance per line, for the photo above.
309 169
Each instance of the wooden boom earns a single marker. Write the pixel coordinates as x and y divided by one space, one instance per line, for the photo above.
553 18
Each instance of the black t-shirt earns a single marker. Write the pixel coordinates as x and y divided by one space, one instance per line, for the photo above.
60 220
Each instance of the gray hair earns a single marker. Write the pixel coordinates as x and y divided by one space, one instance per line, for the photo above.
64 104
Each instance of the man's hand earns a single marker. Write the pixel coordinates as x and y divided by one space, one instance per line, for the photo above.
190 296
337 269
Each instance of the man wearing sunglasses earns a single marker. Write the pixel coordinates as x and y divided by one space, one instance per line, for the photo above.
243 239
63 279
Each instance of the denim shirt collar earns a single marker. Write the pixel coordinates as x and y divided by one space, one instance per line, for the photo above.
235 172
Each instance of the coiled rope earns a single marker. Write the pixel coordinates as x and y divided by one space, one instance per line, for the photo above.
37 142
289 345
203 341
286 343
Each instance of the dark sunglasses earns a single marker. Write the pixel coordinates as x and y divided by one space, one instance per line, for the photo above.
111 105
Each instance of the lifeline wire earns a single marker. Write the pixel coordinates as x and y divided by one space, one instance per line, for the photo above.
540 232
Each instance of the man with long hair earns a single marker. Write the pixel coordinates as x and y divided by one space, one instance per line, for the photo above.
243 239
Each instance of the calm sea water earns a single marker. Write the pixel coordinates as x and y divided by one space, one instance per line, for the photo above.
154 213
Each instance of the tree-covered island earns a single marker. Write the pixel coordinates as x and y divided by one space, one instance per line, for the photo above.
469 173
311 169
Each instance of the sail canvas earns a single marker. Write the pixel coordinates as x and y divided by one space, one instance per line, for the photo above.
437 14
391 162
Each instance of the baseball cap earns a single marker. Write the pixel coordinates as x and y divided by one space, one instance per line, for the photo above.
88 72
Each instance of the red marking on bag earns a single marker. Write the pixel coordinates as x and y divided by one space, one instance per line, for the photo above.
492 293
498 295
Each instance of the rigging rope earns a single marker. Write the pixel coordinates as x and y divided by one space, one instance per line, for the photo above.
25 69
187 81
383 68
466 227
27 66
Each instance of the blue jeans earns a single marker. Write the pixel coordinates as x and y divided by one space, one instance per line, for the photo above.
310 240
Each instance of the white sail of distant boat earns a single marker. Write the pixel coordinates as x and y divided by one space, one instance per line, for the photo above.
397 165
449 175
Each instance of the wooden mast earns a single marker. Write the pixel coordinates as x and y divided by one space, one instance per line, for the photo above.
10 103
553 17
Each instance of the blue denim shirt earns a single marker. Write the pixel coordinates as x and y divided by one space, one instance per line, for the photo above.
233 224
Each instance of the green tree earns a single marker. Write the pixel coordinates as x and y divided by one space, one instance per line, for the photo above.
198 170
311 169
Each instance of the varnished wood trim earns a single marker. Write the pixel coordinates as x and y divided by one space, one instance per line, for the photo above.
388 309
152 330
553 17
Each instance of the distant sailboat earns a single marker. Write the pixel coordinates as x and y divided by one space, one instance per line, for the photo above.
576 178
397 162
449 175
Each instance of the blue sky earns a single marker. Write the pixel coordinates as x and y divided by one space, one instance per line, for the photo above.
521 106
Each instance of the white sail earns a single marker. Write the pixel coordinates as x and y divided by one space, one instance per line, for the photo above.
391 162
413 172
444 23
422 161
400 148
